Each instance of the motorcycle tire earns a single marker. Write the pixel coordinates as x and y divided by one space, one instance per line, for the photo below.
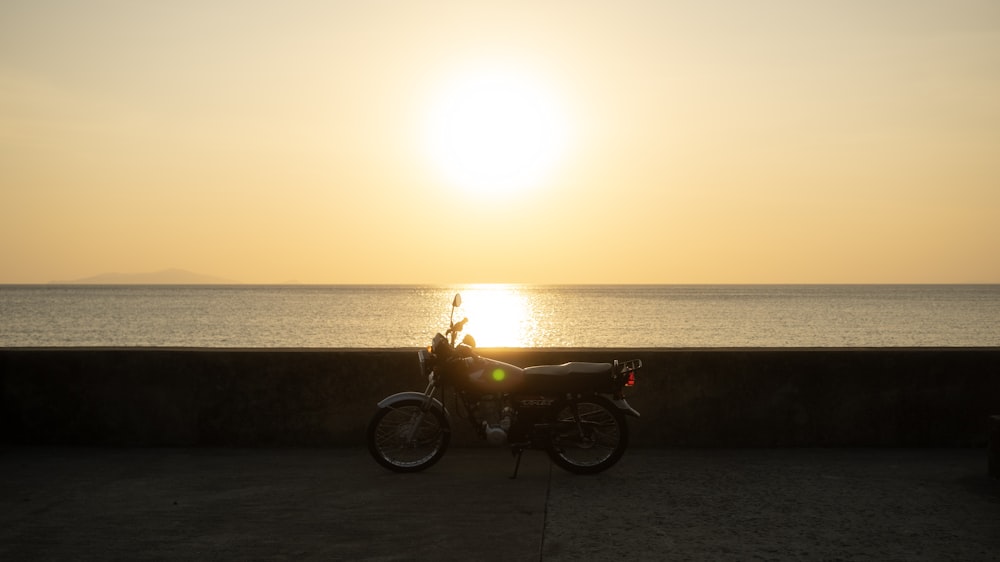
594 444
396 444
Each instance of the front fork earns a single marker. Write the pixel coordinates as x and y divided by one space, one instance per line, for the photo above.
428 404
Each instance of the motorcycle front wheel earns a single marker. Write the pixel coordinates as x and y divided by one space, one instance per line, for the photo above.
405 437
590 435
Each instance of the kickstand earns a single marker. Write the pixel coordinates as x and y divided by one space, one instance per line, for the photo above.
517 463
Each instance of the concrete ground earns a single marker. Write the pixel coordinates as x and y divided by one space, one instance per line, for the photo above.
337 504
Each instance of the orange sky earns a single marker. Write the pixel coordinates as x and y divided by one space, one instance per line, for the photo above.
535 142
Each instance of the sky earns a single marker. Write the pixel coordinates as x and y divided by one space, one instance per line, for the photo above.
444 142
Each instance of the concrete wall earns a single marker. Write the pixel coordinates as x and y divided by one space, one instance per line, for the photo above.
687 397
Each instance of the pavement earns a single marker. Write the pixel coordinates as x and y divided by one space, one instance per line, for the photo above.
655 504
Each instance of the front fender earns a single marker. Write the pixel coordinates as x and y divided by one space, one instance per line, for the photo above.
390 401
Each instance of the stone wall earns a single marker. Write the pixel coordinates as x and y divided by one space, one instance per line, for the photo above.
921 397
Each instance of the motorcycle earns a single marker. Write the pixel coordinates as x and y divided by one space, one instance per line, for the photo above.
575 412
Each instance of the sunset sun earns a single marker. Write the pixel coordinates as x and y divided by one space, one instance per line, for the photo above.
493 132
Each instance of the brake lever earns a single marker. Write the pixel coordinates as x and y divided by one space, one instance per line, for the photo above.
459 325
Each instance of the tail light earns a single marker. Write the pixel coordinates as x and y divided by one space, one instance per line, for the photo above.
627 371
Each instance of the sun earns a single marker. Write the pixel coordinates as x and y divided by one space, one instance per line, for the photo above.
495 131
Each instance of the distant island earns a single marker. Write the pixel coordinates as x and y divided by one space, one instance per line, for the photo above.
165 277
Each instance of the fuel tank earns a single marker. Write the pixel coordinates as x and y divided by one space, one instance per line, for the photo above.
490 375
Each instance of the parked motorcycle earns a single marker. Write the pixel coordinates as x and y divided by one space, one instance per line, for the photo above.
574 411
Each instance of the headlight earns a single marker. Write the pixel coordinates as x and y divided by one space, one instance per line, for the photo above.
440 346
426 361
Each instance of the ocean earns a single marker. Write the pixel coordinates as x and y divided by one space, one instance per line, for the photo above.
625 316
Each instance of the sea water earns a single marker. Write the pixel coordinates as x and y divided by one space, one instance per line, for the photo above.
320 316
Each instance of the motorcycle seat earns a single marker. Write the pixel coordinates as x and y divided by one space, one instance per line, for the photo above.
570 369
568 377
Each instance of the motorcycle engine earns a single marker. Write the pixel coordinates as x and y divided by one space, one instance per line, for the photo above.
497 418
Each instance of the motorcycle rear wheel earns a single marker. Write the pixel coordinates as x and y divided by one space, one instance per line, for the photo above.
406 438
594 444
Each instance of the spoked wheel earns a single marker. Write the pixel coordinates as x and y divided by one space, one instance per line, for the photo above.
590 435
406 438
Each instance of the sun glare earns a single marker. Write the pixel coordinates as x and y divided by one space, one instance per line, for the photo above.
493 132
499 316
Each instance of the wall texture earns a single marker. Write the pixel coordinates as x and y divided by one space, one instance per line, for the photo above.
688 397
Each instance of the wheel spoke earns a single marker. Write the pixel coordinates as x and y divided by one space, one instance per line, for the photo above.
593 439
407 437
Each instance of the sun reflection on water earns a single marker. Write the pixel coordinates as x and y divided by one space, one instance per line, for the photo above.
500 315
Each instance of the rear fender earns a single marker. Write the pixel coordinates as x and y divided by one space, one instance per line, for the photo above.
622 405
